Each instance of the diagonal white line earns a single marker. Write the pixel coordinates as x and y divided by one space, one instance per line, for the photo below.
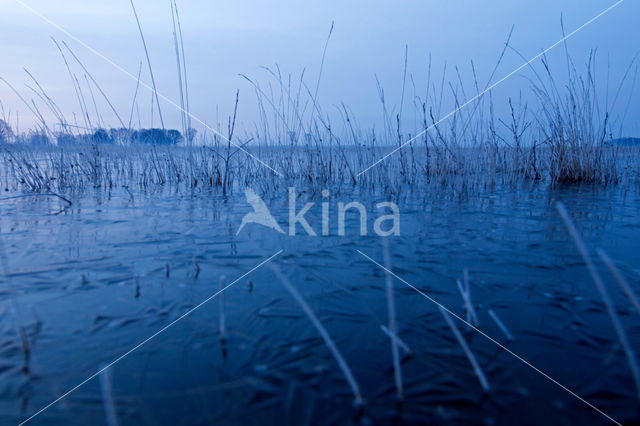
145 341
497 83
491 339
142 83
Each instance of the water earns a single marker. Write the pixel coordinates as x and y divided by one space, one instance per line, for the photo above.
90 282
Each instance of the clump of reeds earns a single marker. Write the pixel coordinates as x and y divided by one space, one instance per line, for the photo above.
558 133
573 131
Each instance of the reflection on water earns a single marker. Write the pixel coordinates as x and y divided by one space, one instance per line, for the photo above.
86 285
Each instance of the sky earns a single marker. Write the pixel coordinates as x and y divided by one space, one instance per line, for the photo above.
224 39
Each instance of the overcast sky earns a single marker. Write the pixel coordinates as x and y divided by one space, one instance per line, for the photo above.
226 38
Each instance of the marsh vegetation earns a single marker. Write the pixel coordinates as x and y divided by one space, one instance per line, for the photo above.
109 234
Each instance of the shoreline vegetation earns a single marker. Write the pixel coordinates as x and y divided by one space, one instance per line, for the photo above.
564 140
69 169
559 132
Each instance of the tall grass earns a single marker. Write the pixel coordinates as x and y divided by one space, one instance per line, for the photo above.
215 167
557 133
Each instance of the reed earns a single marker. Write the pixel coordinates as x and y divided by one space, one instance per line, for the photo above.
146 53
16 309
465 292
222 325
398 341
467 350
108 402
622 282
342 363
555 133
393 326
501 325
604 294
93 80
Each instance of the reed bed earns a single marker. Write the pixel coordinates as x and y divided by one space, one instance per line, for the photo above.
65 170
560 132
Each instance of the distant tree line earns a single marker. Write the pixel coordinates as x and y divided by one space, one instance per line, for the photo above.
98 136
126 137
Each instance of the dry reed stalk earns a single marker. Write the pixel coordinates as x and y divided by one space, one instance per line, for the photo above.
604 294
184 86
222 324
134 103
501 325
184 71
104 95
393 327
15 308
179 67
73 79
342 363
111 415
467 351
397 339
465 292
146 52
620 279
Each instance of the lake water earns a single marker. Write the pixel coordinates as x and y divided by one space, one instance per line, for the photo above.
90 282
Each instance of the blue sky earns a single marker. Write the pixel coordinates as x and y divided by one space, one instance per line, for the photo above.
226 38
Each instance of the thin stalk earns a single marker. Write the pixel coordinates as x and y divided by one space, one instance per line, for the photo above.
73 80
393 327
104 95
604 294
222 324
501 325
179 67
322 331
184 68
135 96
467 351
110 413
146 52
619 278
